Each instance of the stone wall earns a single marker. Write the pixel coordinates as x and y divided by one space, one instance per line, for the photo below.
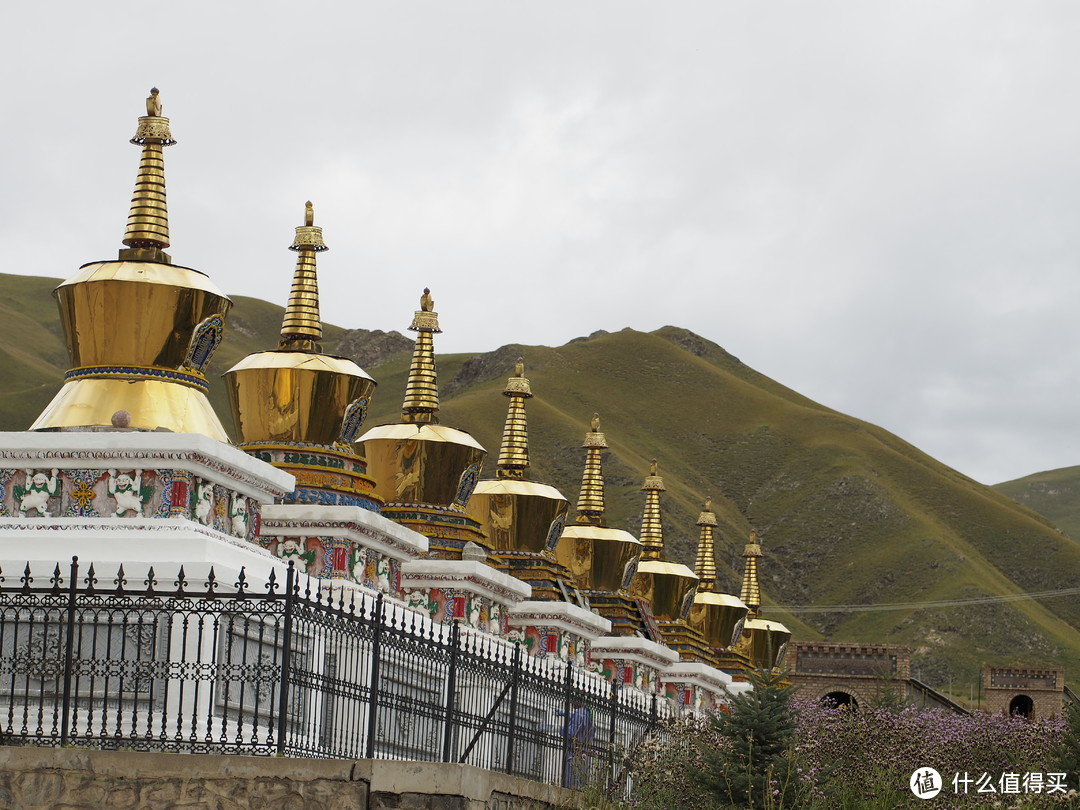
1044 686
866 672
82 779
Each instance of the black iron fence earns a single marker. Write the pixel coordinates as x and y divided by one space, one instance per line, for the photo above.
316 670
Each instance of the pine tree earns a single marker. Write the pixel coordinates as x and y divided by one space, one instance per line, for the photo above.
760 726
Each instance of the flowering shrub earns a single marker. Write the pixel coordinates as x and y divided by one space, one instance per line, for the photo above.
871 754
662 767
865 758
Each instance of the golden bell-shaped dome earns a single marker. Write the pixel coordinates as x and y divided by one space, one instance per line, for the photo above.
669 587
600 557
140 331
719 617
764 642
296 394
419 461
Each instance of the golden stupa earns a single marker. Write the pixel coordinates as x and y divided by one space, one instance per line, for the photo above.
668 586
140 331
603 559
523 519
717 616
426 472
296 398
761 641
600 557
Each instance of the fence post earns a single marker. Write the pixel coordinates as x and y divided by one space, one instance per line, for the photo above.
373 688
515 679
652 713
616 684
567 685
451 693
286 659
69 653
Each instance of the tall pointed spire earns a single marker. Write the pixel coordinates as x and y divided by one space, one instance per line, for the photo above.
514 451
652 529
147 233
705 566
422 389
590 506
751 590
301 328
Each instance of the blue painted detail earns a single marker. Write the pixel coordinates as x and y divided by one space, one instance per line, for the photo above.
354 418
204 343
466 485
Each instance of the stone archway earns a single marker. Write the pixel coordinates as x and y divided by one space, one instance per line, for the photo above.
1022 706
840 698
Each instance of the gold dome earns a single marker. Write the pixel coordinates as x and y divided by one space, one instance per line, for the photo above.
763 642
668 586
296 394
719 617
140 331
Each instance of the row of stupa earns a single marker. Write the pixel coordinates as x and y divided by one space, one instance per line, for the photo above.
400 508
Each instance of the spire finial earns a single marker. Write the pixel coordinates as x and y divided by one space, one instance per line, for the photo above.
590 506
751 589
514 451
652 530
422 389
705 566
301 328
147 233
153 104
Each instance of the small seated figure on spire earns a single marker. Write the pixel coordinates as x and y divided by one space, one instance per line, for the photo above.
519 367
153 104
309 214
596 423
652 467
427 303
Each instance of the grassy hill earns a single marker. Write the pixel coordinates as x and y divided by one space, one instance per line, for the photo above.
848 513
1054 494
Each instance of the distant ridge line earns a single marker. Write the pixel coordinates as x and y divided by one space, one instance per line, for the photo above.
977 600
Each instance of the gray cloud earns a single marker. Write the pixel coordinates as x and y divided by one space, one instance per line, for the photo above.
873 203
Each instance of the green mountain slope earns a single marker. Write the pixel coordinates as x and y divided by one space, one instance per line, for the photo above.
1054 494
847 512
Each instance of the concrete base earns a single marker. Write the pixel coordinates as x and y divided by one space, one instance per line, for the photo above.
83 779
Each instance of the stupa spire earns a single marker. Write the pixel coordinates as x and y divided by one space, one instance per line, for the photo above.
301 328
652 530
147 233
590 506
751 590
705 566
422 389
514 451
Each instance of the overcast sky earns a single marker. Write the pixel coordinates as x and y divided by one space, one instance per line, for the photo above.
875 204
